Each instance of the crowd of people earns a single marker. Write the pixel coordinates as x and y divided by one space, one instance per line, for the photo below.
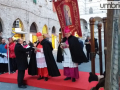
42 63
12 57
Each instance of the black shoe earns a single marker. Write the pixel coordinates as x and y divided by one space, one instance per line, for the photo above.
73 79
22 86
67 78
46 78
1 73
40 78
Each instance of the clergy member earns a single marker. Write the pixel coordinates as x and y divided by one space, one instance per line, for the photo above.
41 63
71 55
45 61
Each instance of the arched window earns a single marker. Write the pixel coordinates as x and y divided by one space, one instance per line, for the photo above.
90 10
33 28
53 30
96 27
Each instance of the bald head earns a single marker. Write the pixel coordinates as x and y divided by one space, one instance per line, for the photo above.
3 41
20 41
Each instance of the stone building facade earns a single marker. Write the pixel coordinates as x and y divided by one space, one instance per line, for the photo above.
39 12
88 9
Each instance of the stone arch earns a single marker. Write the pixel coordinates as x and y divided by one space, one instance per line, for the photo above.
91 10
33 28
18 27
18 24
98 18
33 31
53 30
84 25
45 29
84 21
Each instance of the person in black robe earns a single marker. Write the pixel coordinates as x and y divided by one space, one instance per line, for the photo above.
88 47
52 68
70 54
32 67
21 59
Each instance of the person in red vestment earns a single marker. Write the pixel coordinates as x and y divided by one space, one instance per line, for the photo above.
41 63
45 61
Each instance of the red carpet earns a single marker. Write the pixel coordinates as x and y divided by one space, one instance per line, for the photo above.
54 83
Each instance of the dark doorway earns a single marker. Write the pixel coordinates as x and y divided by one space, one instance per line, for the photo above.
33 28
53 30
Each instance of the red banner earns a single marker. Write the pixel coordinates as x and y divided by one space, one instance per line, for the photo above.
68 15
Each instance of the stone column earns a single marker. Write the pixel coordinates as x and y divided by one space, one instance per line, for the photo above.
109 51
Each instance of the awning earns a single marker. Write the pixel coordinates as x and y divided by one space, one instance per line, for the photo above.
20 32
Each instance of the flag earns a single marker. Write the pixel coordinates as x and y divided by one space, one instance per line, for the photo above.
68 15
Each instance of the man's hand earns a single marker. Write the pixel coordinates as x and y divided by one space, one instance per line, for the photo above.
90 43
87 42
35 45
67 46
61 46
37 49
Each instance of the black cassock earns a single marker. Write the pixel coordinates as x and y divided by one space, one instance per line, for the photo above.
78 56
50 61
32 67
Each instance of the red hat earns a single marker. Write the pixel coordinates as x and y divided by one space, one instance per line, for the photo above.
38 34
66 30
